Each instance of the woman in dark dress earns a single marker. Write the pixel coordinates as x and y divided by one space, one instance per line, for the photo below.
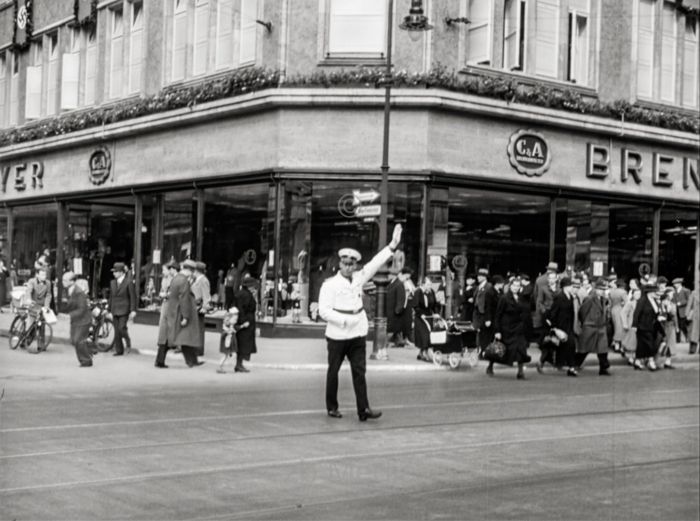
511 327
425 307
245 302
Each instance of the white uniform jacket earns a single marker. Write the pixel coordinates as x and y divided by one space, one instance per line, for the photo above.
340 300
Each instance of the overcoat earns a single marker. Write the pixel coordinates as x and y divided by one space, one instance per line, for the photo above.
650 332
245 302
395 306
485 301
629 340
543 303
425 304
201 290
511 321
593 337
693 314
618 296
79 311
181 305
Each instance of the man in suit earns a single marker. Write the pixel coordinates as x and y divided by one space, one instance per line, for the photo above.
594 337
121 305
562 317
395 308
468 298
681 296
80 318
485 300
201 290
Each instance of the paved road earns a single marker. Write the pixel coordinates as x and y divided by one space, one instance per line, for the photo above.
126 441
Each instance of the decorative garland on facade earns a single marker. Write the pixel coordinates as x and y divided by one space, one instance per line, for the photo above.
87 22
29 28
256 79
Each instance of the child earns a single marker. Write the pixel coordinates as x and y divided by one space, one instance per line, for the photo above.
228 345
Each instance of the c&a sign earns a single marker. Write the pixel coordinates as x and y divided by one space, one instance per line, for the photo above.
529 153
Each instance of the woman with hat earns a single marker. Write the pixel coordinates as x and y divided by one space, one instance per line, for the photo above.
511 324
629 339
485 302
648 321
617 297
426 308
593 337
671 328
245 336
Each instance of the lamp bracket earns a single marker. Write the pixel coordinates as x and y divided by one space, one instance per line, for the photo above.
461 20
266 25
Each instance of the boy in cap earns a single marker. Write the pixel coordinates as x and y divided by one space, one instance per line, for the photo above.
340 304
121 305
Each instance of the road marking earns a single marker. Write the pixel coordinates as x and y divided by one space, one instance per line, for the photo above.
332 458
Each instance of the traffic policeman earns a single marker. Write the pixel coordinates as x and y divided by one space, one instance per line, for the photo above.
340 305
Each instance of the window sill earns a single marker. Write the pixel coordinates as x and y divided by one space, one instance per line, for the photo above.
353 60
529 80
663 105
195 80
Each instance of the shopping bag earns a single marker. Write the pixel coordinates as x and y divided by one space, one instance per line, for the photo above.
495 351
49 316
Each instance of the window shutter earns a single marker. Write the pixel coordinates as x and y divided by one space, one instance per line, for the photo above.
116 67
90 72
668 52
33 106
3 87
645 48
201 38
52 91
70 78
581 57
479 32
511 35
224 34
249 32
136 48
546 39
14 91
179 46
357 26
690 64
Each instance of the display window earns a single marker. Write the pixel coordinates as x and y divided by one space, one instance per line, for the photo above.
33 240
677 235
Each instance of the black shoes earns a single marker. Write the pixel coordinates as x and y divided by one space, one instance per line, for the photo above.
604 372
368 414
241 369
571 372
87 364
520 376
118 354
335 413
161 366
489 370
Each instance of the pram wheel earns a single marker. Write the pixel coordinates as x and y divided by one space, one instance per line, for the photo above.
437 357
455 360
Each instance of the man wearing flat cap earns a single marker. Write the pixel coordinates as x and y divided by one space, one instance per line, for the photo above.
340 304
681 296
122 305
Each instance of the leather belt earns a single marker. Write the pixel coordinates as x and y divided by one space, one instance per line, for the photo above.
349 311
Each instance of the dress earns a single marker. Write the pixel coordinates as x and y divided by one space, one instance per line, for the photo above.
246 336
426 304
617 301
649 331
629 339
229 343
511 321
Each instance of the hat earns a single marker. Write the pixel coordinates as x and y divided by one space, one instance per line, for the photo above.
662 280
576 282
171 264
483 271
678 280
552 266
119 266
524 276
350 253
601 284
200 266
612 276
564 282
189 264
249 282
497 279
470 276
648 288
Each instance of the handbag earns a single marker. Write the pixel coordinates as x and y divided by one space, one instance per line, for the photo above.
560 334
50 317
495 351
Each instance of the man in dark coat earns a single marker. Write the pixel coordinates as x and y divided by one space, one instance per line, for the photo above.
485 301
468 298
122 305
681 297
80 319
593 337
650 331
562 316
395 309
245 302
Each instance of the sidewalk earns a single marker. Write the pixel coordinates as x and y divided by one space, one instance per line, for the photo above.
290 353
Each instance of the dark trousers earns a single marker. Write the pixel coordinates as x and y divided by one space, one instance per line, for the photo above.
228 297
354 350
602 359
79 336
485 336
190 355
683 328
121 333
162 352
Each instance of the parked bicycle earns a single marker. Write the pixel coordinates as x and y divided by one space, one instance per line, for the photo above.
101 336
29 330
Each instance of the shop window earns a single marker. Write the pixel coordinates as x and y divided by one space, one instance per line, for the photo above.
479 32
579 35
90 76
135 47
32 109
547 38
34 237
201 37
224 34
249 31
116 53
179 225
70 74
677 236
690 63
52 80
356 27
514 35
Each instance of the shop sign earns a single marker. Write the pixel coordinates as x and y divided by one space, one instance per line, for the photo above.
368 196
529 153
100 165
370 210
634 169
23 176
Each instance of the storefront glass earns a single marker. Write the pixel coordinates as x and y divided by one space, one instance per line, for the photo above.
34 239
677 246
179 225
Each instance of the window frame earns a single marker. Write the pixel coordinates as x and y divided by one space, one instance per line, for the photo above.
695 42
489 24
352 56
572 65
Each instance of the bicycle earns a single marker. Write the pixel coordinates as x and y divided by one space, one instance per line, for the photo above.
101 336
24 336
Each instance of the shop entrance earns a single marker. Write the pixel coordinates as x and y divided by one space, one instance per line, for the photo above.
99 233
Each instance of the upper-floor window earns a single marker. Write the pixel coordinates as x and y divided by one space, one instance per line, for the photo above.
201 37
3 86
578 34
34 84
70 71
669 28
547 20
479 31
116 51
514 13
356 27
89 77
689 87
52 90
249 31
224 34
135 45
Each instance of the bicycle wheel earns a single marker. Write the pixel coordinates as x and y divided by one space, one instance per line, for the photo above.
104 336
17 331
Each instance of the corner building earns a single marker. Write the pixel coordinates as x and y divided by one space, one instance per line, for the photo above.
274 180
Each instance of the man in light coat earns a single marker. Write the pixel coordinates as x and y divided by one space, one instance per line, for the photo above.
201 290
340 304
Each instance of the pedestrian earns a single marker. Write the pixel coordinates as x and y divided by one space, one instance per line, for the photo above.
485 301
681 295
693 316
562 316
511 322
629 340
425 309
468 297
340 305
39 292
545 289
169 273
246 304
406 277
233 281
228 346
78 309
648 322
617 298
201 290
121 306
395 308
4 290
593 337
670 313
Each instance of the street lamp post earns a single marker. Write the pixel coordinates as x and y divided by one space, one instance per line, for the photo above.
415 21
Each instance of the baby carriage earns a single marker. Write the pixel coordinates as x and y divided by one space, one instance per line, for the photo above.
449 342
